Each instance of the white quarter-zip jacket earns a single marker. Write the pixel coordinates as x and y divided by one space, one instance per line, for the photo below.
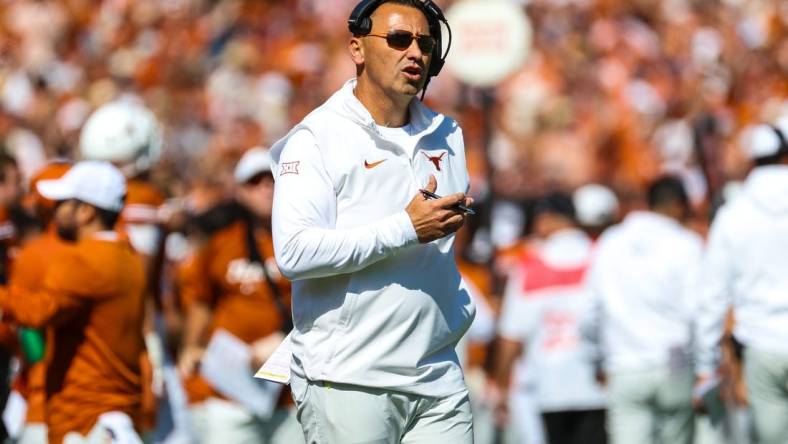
643 286
746 267
371 305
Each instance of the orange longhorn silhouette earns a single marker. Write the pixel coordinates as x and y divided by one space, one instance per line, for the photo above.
436 160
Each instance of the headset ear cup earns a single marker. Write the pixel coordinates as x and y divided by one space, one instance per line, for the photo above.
365 26
437 54
359 22
436 64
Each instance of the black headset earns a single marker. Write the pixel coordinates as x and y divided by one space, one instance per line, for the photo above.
360 24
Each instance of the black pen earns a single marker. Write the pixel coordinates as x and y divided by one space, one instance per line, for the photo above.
431 195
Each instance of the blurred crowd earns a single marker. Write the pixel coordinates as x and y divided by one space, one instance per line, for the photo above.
614 92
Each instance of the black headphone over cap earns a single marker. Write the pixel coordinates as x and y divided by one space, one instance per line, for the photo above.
360 23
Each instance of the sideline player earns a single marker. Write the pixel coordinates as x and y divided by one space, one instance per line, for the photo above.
745 269
540 345
233 285
29 265
644 300
92 297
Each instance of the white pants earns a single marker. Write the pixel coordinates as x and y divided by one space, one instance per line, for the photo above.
111 428
651 406
341 413
218 421
766 374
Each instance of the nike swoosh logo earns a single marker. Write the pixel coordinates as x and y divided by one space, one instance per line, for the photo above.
369 166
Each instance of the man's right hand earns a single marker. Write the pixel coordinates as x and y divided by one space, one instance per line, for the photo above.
436 218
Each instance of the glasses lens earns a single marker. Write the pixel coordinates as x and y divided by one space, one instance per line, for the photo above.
426 43
399 39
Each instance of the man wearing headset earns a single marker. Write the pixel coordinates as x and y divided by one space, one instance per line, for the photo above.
378 303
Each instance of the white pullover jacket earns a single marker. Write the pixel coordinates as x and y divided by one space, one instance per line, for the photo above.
371 306
746 266
643 286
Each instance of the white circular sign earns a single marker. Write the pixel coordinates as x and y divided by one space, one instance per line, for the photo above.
492 39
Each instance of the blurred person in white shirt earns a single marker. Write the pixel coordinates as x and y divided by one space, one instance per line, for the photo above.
540 337
745 269
641 284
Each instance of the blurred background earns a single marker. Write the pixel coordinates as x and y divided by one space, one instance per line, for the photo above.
614 92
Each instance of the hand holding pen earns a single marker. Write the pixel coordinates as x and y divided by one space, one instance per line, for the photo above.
434 217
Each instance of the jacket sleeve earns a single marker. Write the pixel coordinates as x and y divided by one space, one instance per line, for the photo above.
36 309
70 284
306 242
716 297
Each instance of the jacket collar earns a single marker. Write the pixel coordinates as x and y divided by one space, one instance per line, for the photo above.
423 120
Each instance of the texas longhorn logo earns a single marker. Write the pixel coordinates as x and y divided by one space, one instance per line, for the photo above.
436 160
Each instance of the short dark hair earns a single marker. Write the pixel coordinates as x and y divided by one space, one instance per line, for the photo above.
556 202
412 3
667 190
108 218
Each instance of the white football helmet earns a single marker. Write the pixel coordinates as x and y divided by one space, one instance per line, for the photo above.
124 133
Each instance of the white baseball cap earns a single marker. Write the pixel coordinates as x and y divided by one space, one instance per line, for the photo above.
595 204
95 182
760 141
255 161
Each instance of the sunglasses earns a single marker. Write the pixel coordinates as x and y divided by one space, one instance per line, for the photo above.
401 40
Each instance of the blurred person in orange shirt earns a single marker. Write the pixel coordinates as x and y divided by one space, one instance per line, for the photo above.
92 298
233 285
29 265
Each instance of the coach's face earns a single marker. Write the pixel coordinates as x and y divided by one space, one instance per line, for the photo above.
394 69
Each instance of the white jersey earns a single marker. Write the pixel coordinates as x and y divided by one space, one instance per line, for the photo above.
643 285
371 306
544 302
746 267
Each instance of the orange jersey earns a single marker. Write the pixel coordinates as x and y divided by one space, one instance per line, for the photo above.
92 299
221 276
27 269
